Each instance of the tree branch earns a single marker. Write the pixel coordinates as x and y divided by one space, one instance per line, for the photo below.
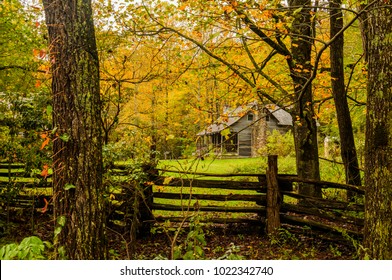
224 62
21 68
260 71
327 44
281 49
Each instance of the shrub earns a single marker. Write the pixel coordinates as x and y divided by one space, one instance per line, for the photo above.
279 144
31 248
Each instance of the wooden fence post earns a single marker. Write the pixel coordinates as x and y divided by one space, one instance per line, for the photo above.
145 206
273 195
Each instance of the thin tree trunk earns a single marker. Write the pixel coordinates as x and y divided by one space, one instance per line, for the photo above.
347 143
305 128
378 145
77 151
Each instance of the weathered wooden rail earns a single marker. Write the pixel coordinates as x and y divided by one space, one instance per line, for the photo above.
267 199
271 193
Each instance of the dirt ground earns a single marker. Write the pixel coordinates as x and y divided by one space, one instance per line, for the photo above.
250 243
221 241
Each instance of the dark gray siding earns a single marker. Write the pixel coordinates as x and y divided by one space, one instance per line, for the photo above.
272 124
244 136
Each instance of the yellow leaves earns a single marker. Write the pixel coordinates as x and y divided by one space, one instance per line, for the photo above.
268 14
167 180
197 34
170 137
228 9
281 27
148 139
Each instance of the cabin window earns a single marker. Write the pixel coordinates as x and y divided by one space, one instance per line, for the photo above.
267 118
230 143
250 117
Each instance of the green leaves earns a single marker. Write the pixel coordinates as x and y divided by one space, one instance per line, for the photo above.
61 221
49 110
65 137
194 243
31 248
59 227
226 133
67 187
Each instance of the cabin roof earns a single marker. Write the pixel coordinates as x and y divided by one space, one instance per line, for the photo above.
283 117
230 117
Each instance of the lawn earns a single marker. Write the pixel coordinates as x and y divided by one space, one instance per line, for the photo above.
329 171
216 166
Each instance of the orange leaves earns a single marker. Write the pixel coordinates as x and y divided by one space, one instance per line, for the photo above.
46 138
183 7
45 171
228 9
45 208
39 53
234 3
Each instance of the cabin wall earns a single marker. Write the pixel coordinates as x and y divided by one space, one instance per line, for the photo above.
245 134
245 143
272 124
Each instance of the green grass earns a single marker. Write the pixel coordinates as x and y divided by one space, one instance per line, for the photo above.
216 166
212 166
329 172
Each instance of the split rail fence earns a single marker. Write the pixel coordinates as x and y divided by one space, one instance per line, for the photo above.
269 199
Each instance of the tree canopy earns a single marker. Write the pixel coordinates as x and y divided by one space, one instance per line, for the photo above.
140 79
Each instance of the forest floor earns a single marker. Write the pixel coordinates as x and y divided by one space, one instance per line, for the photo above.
248 242
220 242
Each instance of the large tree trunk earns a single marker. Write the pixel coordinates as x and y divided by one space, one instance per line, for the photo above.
378 146
348 151
305 128
77 152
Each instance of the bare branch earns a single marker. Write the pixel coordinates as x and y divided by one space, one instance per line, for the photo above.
326 46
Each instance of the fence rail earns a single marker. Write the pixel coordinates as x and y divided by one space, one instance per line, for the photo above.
269 199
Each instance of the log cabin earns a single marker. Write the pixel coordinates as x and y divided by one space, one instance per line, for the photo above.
242 131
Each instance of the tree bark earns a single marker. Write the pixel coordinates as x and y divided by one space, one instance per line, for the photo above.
304 121
347 143
77 149
378 145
